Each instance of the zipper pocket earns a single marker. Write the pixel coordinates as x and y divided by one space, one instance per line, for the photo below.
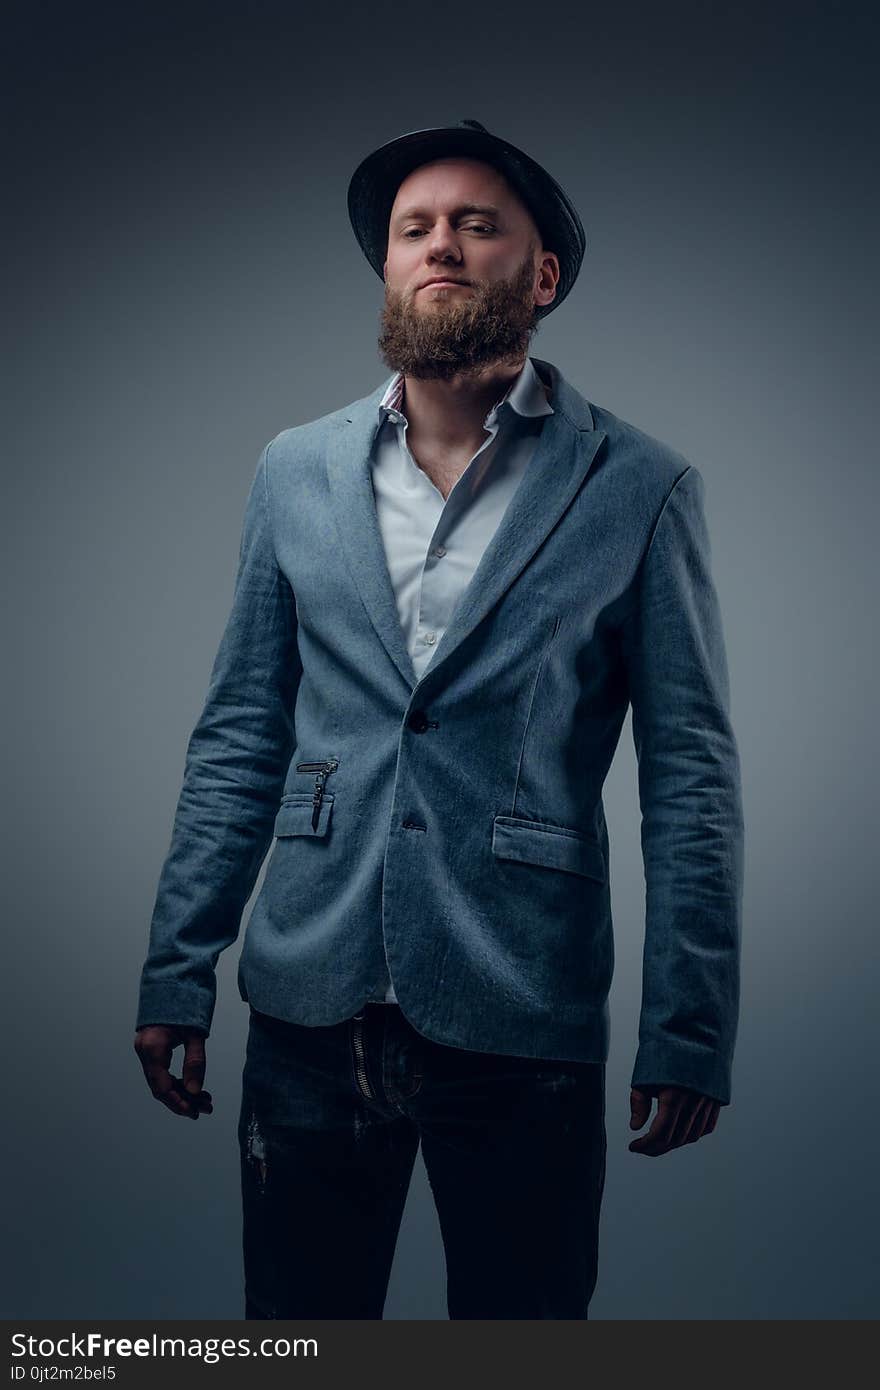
322 771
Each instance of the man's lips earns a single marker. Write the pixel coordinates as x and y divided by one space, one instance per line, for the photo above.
439 284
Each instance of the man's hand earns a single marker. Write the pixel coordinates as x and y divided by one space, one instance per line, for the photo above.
154 1046
682 1117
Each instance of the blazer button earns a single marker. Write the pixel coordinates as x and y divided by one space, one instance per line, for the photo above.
418 721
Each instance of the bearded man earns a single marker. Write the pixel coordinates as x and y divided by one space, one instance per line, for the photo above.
450 592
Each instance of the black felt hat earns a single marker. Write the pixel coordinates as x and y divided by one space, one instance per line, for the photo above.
375 182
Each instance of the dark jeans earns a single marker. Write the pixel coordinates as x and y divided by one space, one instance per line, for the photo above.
331 1119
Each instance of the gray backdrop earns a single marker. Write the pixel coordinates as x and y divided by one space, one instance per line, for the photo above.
183 284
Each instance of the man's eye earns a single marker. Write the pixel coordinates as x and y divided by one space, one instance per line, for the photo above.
474 227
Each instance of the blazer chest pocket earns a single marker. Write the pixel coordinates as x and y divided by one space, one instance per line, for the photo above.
551 846
296 815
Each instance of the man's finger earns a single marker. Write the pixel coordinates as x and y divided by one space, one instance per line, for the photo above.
690 1104
639 1107
657 1138
697 1124
204 1099
168 1089
194 1064
713 1117
191 1105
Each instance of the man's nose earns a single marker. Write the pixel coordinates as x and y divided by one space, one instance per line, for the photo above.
443 243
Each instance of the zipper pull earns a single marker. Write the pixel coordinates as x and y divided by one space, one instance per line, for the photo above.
318 797
322 770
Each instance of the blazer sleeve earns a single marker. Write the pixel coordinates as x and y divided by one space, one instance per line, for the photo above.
236 763
691 804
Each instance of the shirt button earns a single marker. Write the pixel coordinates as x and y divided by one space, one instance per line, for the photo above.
440 550
430 638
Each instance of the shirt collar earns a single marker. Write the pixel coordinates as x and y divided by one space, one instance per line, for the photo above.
525 396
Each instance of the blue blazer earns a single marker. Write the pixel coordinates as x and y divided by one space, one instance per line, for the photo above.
454 824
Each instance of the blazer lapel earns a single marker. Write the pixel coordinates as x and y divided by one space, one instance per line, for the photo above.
567 446
351 490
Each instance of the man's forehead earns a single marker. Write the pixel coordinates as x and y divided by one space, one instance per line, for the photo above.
456 181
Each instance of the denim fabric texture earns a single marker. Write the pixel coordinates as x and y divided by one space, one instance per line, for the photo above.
461 835
331 1120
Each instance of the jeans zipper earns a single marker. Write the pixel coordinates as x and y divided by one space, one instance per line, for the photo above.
322 769
360 1069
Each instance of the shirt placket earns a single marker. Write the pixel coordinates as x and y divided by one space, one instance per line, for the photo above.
432 620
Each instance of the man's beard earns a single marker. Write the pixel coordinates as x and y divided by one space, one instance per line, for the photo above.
492 323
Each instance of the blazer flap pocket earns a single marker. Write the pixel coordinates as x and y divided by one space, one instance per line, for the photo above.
552 846
297 813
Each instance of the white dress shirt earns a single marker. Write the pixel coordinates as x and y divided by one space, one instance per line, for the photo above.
432 545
